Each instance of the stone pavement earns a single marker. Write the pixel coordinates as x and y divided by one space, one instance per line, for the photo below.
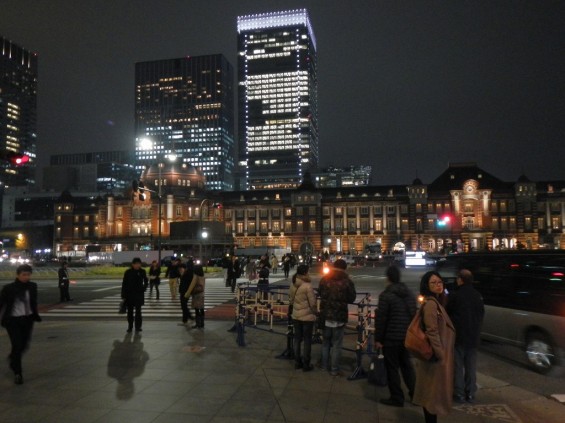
91 371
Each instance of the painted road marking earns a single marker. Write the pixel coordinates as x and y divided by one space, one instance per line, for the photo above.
500 412
106 289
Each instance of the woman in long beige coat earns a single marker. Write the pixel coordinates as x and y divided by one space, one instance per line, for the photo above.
434 378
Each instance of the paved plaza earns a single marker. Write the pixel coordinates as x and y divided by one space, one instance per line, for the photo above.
92 371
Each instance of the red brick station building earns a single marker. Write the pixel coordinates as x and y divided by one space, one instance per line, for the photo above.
465 208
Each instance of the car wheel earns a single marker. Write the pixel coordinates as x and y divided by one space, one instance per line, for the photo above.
540 352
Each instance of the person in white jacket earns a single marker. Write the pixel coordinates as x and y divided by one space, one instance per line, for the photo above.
304 310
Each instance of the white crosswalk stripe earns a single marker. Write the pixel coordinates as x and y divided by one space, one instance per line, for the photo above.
216 293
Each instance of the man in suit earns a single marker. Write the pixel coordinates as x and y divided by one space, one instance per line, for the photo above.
133 293
18 308
64 283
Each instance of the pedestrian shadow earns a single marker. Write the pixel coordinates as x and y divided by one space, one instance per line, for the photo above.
127 361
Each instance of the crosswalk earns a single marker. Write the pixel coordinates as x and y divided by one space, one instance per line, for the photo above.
216 293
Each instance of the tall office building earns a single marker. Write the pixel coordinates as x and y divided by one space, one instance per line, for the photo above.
184 107
278 111
18 111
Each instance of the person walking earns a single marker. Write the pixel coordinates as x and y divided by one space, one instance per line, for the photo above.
304 312
18 308
251 270
397 307
234 272
186 275
274 264
154 278
336 292
434 378
286 266
173 274
64 283
134 285
466 310
196 291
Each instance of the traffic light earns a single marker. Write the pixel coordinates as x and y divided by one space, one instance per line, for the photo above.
444 220
15 159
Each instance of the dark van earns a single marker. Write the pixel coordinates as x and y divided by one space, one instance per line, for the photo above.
524 295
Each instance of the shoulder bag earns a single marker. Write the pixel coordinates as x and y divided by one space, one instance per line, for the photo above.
416 341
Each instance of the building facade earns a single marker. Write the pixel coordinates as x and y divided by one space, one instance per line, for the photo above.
333 177
278 109
18 112
464 209
184 108
105 171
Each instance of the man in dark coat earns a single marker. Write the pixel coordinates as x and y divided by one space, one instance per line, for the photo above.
234 272
18 308
467 310
186 275
397 307
336 292
64 283
133 288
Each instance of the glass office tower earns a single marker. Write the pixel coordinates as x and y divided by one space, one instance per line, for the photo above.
278 113
18 112
184 107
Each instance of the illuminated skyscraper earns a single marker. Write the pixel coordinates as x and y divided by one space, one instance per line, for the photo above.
184 107
18 111
278 111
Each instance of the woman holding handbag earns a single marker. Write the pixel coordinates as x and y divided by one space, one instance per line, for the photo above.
196 290
434 377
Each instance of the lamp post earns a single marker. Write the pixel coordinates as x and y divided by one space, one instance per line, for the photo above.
148 144
201 233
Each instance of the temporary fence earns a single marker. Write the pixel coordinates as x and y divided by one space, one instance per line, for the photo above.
269 304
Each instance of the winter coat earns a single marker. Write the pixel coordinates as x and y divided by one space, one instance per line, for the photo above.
172 272
198 285
466 310
134 285
9 294
336 292
303 299
185 280
234 269
63 276
156 273
434 378
397 306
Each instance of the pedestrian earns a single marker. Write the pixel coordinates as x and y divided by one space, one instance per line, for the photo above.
196 291
186 275
286 266
173 274
274 264
134 285
225 265
263 282
466 310
304 312
434 378
234 272
154 278
397 307
251 270
64 283
336 292
18 308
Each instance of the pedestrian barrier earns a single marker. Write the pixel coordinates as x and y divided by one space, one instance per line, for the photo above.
267 303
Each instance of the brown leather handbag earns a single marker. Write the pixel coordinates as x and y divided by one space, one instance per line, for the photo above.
416 340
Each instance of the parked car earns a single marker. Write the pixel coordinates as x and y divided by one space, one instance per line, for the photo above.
524 295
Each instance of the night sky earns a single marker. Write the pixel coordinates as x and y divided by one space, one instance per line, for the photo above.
405 86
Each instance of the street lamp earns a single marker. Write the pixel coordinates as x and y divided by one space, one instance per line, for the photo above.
201 231
147 144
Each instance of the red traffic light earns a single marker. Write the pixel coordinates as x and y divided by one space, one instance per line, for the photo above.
18 159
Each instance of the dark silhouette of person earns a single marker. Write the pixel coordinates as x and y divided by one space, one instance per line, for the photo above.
127 361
